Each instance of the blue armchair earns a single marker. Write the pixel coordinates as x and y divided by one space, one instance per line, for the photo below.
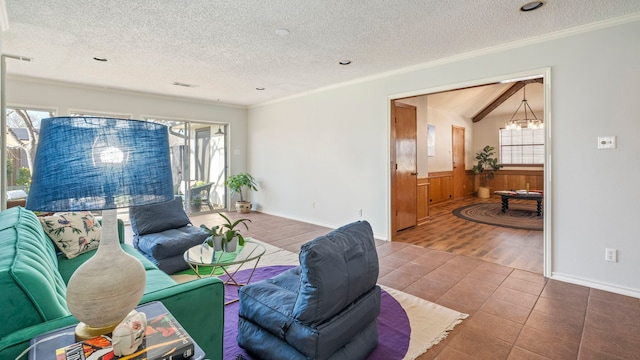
326 308
163 232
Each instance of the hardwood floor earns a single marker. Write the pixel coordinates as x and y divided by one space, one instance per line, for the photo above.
514 314
520 249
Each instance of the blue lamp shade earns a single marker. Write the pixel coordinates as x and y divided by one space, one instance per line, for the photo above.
95 163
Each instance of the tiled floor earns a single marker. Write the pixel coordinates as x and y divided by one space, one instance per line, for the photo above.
514 314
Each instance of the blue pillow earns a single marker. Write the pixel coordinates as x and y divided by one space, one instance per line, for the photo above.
155 218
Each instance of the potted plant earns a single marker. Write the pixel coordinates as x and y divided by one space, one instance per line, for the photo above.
196 204
239 183
231 237
486 167
214 240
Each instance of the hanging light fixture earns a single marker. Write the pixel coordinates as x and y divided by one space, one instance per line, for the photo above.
529 123
219 132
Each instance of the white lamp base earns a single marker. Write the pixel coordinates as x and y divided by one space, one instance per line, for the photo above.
103 290
84 331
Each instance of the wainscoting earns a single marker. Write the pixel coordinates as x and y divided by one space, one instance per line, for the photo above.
438 186
517 180
423 201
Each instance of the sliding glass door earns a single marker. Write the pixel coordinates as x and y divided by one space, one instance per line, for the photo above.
199 163
198 159
208 168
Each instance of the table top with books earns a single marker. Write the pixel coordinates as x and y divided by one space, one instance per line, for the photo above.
521 193
164 338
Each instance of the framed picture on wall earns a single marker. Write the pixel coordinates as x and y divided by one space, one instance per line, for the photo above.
431 140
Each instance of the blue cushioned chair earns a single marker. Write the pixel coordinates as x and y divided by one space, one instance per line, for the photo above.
326 308
163 232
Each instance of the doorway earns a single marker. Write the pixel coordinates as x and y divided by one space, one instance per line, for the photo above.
466 142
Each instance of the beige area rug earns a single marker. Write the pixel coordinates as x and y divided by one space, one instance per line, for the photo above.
518 216
428 323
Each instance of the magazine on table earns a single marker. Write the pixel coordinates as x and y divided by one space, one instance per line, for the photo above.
164 339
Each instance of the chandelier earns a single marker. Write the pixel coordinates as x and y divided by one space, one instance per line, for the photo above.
529 123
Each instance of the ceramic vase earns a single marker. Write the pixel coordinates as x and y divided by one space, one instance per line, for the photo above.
103 290
217 243
232 245
243 207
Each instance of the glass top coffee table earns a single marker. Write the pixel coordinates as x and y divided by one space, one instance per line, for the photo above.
230 262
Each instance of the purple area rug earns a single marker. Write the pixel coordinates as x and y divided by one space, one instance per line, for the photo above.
393 324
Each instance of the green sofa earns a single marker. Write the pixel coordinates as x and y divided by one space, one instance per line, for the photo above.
33 286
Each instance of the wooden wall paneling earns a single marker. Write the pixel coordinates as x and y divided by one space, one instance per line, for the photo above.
470 183
440 186
423 200
517 180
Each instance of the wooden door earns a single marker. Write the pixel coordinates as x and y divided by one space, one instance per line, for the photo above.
459 172
406 175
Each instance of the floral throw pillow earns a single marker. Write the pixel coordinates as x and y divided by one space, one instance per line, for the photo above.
73 232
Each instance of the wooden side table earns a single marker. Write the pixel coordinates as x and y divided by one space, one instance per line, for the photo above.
44 346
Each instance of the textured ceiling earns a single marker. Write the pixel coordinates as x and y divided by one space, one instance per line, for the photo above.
229 48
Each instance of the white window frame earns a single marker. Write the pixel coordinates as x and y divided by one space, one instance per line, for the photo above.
521 147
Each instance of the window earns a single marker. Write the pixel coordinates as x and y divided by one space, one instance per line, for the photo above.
522 147
23 127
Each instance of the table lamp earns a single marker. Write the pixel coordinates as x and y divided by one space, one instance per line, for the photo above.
95 163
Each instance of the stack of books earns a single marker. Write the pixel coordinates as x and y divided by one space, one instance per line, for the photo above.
164 339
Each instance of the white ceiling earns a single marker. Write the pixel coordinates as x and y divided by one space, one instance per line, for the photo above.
229 48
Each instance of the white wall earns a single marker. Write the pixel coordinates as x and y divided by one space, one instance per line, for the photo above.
443 122
64 98
331 148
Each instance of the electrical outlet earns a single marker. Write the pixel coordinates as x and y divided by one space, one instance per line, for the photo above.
611 255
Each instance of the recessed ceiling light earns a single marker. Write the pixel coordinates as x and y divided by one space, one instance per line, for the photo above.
282 32
344 62
97 58
260 88
532 6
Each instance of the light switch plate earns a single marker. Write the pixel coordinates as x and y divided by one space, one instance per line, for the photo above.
606 142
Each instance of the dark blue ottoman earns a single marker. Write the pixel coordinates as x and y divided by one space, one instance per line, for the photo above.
163 232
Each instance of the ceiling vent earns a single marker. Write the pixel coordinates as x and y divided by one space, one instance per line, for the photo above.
176 83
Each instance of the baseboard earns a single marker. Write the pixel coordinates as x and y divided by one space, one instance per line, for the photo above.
330 226
596 284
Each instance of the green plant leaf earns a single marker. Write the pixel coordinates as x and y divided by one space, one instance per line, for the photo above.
487 165
240 240
237 182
